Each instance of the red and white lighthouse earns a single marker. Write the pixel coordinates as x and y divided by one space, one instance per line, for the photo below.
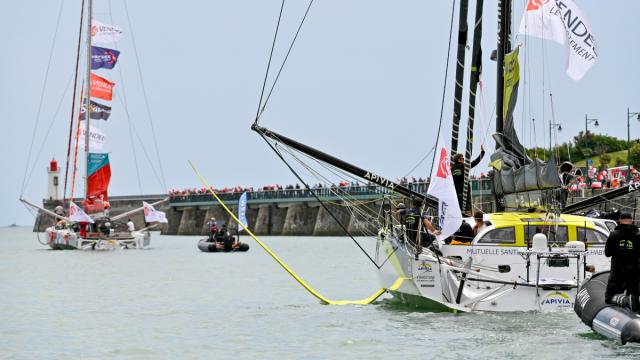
53 171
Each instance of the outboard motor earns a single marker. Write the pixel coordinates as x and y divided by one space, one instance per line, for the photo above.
615 322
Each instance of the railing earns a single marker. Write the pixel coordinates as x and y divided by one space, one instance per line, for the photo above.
479 187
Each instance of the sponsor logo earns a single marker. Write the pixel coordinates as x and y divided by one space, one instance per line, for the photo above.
444 171
380 180
557 299
534 5
614 321
634 186
583 298
425 266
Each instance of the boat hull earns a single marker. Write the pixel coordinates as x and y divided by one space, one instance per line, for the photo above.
67 239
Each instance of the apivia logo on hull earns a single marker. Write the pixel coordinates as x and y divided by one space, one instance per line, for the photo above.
380 180
558 299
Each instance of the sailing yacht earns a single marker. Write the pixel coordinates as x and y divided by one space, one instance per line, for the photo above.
90 226
531 255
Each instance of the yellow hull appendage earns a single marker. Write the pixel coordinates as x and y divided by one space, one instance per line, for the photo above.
313 292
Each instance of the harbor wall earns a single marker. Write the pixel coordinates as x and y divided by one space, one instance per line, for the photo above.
305 218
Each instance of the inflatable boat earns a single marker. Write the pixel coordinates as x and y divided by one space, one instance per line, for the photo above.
612 321
227 245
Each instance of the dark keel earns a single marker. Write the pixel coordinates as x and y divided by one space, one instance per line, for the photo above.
611 321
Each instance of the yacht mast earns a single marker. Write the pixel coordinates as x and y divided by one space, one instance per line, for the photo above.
457 99
504 47
87 117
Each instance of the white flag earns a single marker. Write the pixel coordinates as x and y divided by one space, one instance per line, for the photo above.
152 215
104 33
441 186
96 137
563 22
77 214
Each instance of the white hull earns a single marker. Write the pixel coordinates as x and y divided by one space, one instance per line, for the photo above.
67 239
434 281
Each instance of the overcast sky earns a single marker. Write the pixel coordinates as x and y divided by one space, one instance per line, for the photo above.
364 83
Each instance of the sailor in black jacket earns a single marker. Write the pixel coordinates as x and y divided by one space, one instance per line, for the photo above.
457 171
623 245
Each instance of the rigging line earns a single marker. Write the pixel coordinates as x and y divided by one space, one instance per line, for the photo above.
44 87
144 150
313 292
146 99
46 135
317 198
266 74
421 161
354 211
444 88
73 103
264 105
124 100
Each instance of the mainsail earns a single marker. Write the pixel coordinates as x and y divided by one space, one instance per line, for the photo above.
514 170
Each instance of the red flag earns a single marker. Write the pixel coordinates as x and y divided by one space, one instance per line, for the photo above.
101 87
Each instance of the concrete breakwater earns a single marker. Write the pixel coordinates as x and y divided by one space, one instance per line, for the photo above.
283 213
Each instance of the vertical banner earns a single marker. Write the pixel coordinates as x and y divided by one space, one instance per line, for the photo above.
242 210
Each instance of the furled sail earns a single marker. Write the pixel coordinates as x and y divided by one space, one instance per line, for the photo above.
514 171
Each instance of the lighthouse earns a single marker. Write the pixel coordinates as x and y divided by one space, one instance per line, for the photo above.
53 171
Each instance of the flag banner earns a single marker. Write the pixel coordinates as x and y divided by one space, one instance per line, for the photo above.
152 215
98 111
101 87
77 214
103 58
563 22
98 175
104 33
242 210
96 137
441 187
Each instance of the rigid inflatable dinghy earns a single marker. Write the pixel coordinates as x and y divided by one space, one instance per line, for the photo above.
227 245
612 321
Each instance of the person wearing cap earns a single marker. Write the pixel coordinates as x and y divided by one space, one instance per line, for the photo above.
213 228
409 218
623 246
457 171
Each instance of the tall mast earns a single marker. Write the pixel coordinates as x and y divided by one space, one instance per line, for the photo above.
457 99
504 47
476 69
87 117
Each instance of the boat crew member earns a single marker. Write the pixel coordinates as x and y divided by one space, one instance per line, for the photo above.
479 225
409 218
213 228
623 246
457 171
130 226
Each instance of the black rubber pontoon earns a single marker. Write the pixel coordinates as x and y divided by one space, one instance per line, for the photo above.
221 246
614 322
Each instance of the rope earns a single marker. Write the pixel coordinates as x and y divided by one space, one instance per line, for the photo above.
264 105
44 87
123 100
266 74
304 284
146 100
444 88
318 199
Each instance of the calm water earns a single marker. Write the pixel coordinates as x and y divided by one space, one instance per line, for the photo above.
173 301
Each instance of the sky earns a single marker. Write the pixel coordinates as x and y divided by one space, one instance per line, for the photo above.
364 82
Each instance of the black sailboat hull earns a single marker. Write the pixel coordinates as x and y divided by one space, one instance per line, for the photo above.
611 321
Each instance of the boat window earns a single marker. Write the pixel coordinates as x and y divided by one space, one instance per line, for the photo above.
505 235
555 234
592 236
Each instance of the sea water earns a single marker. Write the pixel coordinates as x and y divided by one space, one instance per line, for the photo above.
175 302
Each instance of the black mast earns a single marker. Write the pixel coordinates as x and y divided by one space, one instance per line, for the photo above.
476 69
504 47
457 99
345 166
